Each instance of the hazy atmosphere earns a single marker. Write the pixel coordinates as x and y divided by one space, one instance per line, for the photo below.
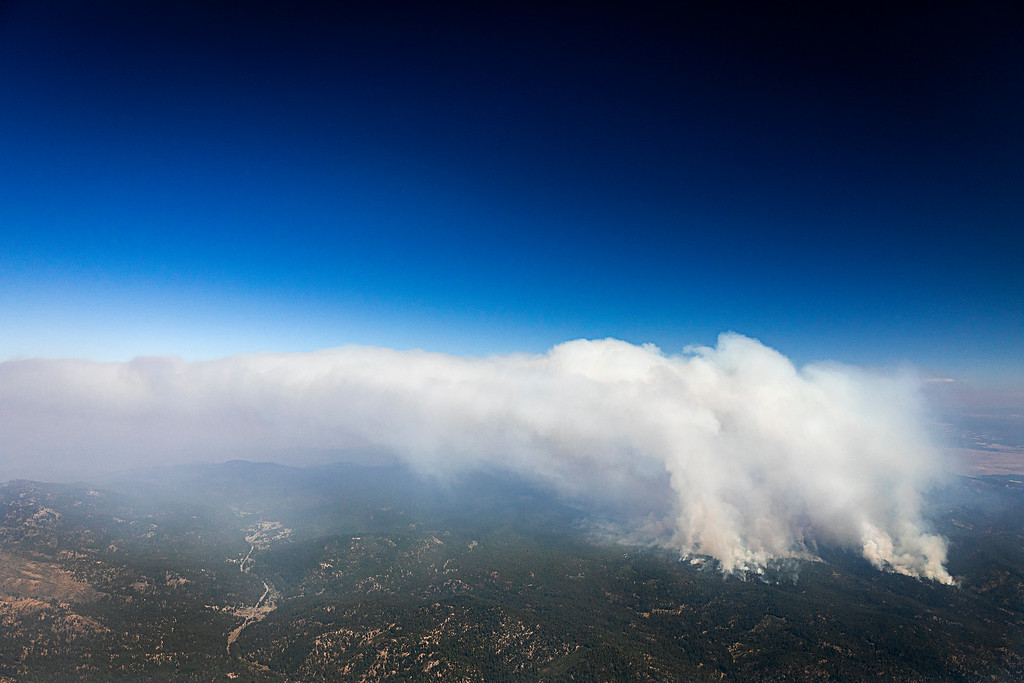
762 461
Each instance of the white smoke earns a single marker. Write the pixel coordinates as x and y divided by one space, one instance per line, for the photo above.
752 458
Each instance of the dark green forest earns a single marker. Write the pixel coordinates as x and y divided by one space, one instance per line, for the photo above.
256 572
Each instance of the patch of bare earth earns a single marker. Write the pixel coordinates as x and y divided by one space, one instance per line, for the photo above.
21 578
37 587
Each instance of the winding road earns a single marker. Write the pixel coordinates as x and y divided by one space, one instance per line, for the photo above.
254 613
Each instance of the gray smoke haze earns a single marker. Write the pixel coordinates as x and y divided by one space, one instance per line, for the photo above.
734 452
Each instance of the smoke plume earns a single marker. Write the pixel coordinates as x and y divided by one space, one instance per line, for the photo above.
730 452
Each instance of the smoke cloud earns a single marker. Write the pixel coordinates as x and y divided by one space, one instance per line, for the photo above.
730 451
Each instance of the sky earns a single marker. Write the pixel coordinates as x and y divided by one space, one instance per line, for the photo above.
203 179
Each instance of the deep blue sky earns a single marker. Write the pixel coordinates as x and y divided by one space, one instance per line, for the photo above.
208 178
